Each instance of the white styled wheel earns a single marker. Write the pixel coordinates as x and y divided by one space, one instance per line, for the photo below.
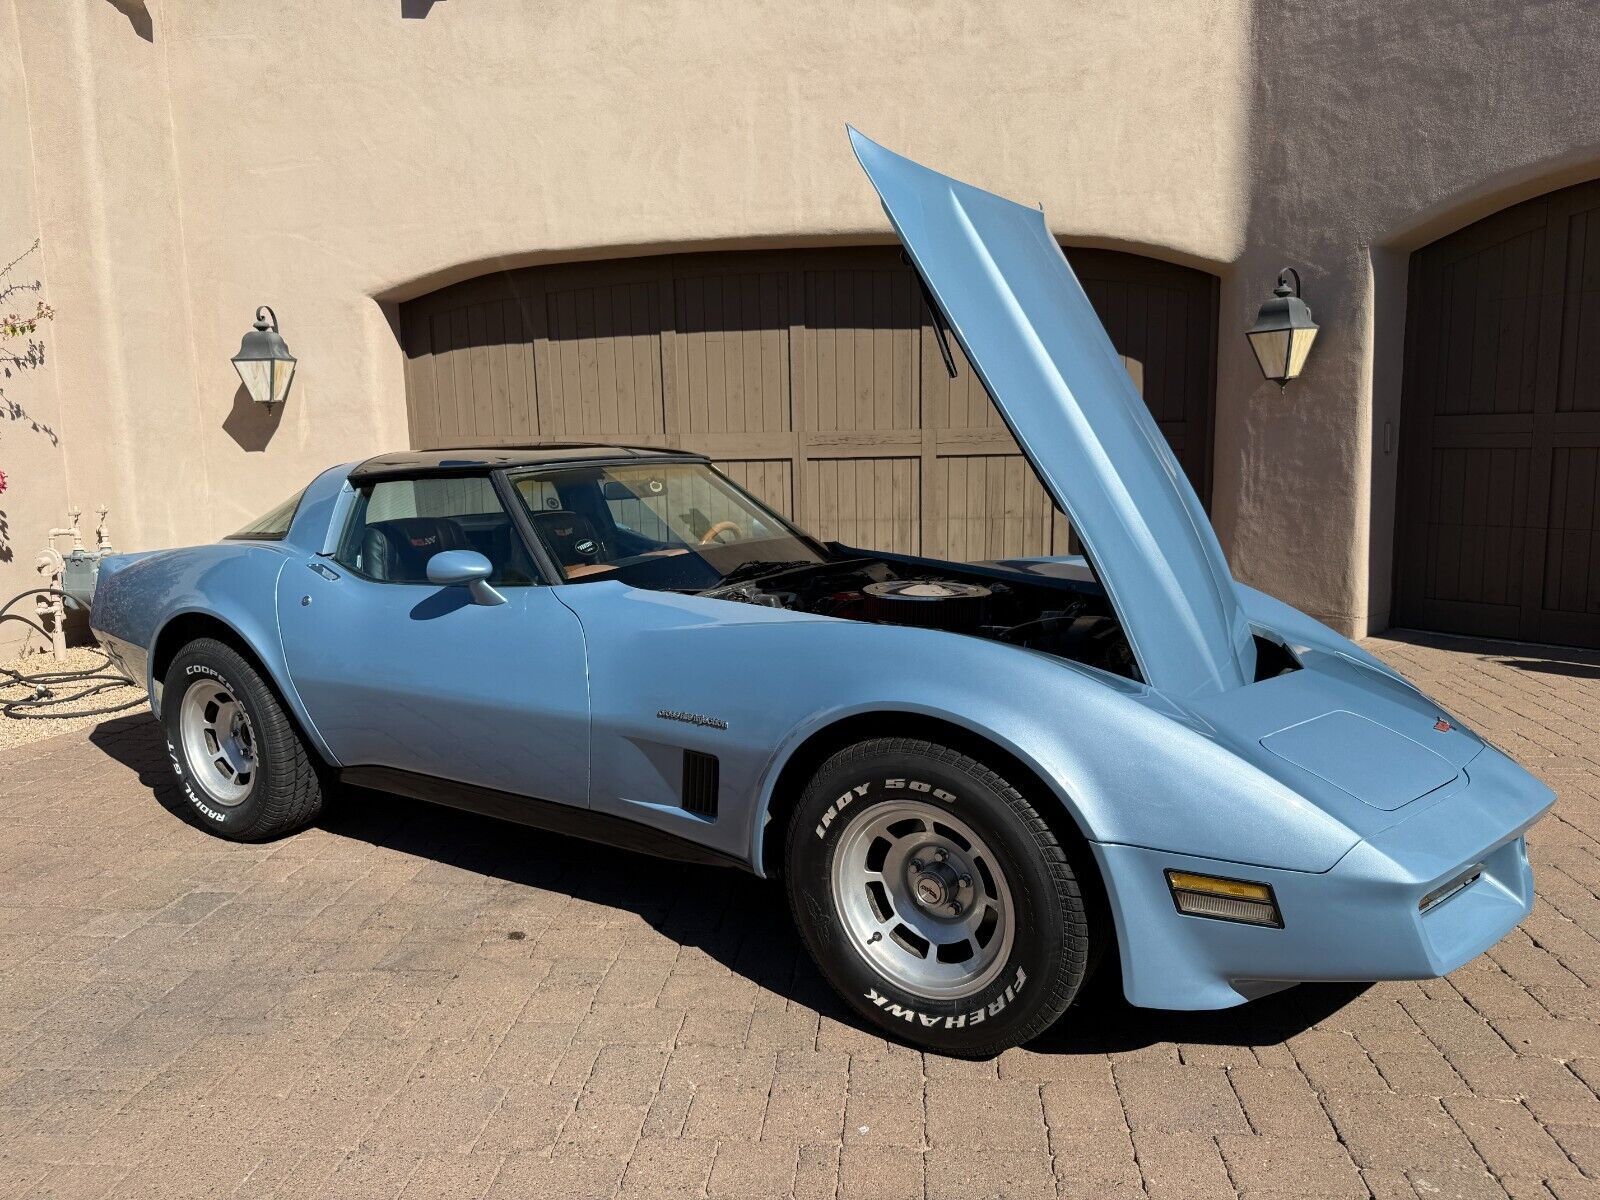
218 742
924 898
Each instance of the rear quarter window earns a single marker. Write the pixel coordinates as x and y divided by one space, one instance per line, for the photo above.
274 526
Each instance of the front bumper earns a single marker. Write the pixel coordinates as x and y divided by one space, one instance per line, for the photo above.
1358 921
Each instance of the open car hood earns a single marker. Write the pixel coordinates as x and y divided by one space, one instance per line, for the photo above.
1034 339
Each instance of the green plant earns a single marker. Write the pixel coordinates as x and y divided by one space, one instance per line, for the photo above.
14 325
21 349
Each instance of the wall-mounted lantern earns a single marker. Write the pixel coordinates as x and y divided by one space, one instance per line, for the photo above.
264 363
1283 332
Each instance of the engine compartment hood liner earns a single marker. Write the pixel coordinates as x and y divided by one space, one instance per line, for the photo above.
1035 341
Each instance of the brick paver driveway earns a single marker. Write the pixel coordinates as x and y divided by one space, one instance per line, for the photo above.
416 1001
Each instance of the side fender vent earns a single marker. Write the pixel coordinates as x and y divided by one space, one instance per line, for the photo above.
700 780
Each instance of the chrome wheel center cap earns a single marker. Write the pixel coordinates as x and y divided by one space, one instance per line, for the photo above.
935 886
926 902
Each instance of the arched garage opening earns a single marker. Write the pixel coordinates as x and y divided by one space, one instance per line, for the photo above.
1498 516
811 376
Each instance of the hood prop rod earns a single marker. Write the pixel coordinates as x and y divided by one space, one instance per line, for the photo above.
935 316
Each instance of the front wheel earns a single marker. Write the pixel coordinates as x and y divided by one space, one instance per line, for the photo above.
935 898
245 772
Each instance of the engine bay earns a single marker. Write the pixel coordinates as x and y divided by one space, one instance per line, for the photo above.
1069 619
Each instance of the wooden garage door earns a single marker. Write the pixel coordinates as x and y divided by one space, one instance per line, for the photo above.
811 377
1499 516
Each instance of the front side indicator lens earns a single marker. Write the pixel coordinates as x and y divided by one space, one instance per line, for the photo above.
1224 899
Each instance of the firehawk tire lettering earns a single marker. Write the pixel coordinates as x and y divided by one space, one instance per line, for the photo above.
976 1016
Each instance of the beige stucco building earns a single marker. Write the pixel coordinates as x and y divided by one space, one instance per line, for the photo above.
667 186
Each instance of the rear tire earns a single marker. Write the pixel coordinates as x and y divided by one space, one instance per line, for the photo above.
935 899
244 769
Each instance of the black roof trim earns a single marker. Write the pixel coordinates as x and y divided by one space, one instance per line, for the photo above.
475 460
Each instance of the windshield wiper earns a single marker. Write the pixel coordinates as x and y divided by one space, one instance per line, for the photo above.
755 568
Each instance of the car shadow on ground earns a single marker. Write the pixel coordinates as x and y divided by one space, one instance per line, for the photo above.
1571 661
734 918
1554 666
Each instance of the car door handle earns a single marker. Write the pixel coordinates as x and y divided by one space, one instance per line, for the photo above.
324 570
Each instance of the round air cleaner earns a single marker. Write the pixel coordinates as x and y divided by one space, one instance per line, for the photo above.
926 603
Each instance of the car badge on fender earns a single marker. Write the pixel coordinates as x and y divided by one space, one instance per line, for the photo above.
689 718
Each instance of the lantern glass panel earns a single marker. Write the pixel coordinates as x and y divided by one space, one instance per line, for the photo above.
256 374
282 374
1272 352
1299 347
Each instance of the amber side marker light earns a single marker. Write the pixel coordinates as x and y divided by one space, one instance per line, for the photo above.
1224 899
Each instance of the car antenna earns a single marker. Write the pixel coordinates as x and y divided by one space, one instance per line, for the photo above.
934 315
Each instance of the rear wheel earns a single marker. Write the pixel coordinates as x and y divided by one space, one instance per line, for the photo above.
243 768
935 898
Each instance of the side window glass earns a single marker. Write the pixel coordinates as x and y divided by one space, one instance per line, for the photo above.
399 524
539 495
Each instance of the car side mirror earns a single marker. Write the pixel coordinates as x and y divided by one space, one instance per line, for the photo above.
453 567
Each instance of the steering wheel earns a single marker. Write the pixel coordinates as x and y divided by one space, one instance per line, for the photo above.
713 536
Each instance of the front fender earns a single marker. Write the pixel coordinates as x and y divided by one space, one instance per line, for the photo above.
1120 760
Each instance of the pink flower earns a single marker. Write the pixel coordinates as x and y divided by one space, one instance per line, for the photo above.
2 481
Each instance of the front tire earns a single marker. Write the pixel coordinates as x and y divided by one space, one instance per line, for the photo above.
243 768
935 899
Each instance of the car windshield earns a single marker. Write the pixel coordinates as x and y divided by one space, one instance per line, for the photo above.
664 525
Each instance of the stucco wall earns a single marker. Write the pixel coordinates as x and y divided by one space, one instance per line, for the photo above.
328 154
1378 128
31 456
332 159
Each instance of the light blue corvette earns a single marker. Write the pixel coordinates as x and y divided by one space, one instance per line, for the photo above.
976 780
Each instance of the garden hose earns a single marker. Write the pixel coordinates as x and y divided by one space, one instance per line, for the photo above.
91 681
